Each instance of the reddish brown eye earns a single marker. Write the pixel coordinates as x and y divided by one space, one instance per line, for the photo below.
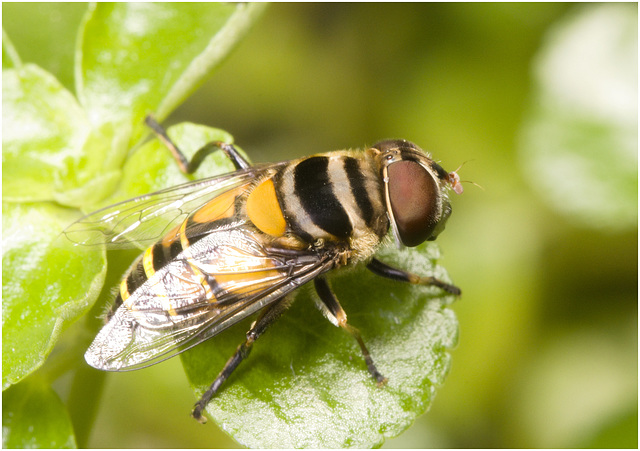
414 198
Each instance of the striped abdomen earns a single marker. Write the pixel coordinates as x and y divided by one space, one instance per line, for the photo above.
199 224
336 197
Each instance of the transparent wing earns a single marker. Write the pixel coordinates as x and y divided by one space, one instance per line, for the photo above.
173 311
139 222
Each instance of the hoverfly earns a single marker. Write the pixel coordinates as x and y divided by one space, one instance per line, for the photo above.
225 247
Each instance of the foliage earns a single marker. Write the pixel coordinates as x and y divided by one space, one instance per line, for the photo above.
67 152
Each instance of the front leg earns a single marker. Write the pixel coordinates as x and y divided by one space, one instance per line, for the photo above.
384 270
190 166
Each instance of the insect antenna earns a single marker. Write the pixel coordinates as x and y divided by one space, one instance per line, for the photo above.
456 183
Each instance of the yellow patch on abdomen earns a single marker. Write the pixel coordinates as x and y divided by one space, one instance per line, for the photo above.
264 210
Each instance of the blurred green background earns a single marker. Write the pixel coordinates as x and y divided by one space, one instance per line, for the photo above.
540 101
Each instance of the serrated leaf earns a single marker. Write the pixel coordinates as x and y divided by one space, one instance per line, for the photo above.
46 285
580 142
139 58
43 131
97 170
49 151
34 417
305 383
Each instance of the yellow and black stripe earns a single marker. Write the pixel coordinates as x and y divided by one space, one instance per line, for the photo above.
200 223
334 197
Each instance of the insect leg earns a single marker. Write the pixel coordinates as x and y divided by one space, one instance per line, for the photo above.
266 318
188 167
384 270
335 309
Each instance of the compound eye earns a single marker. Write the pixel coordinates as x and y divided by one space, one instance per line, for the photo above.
414 197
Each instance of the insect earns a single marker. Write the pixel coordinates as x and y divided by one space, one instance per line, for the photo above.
225 247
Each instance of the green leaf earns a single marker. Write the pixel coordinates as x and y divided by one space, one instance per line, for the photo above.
43 131
579 145
305 383
141 58
34 417
96 172
50 152
46 285
48 148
